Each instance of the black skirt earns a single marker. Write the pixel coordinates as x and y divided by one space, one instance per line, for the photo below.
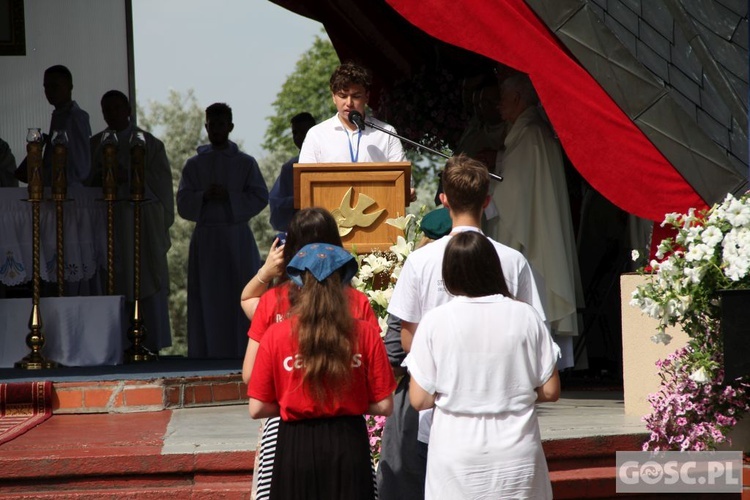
323 459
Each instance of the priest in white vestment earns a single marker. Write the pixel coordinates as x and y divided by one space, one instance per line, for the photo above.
534 211
221 190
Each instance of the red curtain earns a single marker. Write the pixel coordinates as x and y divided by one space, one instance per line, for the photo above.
606 147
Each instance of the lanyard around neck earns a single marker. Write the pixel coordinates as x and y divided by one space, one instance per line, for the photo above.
351 150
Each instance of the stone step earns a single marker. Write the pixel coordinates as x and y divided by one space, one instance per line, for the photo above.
123 396
117 456
197 491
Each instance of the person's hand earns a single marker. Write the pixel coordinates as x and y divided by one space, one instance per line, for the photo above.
412 194
216 192
221 192
273 267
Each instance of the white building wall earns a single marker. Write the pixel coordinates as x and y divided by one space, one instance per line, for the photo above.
89 37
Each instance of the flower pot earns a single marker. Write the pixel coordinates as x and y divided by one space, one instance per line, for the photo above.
639 354
740 436
735 331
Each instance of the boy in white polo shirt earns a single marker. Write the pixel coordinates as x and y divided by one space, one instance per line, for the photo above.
337 140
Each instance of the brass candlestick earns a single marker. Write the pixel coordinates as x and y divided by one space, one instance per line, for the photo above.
138 167
35 338
59 194
137 332
109 188
34 142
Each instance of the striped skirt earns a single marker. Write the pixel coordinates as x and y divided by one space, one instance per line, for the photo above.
268 439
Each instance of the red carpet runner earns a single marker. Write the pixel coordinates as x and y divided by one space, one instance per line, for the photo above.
23 406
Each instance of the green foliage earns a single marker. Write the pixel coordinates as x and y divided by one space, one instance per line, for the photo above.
270 166
425 167
306 89
179 123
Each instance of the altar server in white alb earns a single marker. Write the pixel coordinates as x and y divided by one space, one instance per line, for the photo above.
534 210
337 140
221 190
482 361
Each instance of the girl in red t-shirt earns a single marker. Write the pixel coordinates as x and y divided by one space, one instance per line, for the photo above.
321 370
265 309
265 306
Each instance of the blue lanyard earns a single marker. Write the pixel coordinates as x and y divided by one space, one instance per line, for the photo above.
349 141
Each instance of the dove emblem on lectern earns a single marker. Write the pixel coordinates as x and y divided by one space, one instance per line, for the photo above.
348 218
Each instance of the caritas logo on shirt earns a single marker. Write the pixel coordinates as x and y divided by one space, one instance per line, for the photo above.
296 362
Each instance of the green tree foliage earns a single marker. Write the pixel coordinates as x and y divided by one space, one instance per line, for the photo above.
179 124
270 165
306 89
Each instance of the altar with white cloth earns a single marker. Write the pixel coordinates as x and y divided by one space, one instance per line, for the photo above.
85 229
78 331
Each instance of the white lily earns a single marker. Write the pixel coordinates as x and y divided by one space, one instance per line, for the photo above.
358 283
700 376
377 264
380 297
383 323
402 248
401 222
365 272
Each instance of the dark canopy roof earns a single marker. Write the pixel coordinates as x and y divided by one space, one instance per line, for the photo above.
620 127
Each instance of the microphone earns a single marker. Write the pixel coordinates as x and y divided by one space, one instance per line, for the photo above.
356 118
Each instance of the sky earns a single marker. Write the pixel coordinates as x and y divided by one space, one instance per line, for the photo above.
234 51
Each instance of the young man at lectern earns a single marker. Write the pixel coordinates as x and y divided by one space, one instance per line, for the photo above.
338 140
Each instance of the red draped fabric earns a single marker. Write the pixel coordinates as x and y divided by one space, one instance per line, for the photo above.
606 147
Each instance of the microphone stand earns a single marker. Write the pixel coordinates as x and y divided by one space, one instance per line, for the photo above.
413 143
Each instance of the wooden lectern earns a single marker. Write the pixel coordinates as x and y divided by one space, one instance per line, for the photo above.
361 196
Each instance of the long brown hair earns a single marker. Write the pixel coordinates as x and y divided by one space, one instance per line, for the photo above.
325 336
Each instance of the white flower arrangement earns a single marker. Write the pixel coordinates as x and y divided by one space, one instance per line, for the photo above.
695 406
377 276
379 271
710 252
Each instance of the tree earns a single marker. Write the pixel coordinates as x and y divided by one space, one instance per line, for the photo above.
260 224
306 89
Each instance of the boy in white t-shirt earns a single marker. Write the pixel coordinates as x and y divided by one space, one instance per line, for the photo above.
420 289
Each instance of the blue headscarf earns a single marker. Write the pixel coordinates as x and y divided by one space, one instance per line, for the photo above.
321 260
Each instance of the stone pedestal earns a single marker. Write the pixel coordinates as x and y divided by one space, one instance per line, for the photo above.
639 353
640 375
